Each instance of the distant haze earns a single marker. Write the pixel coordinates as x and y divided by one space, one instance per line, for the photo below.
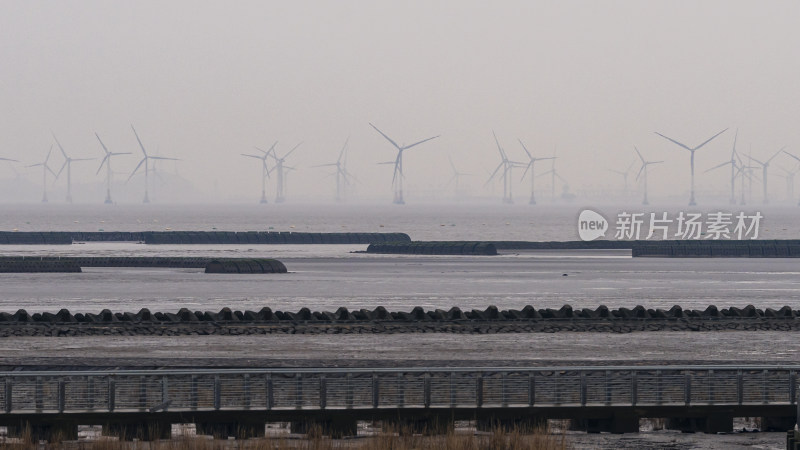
204 82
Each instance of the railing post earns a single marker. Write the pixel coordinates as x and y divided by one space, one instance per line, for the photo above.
112 394
792 387
659 394
401 390
62 395
531 388
90 394
479 390
710 377
246 391
270 393
39 394
9 391
376 391
583 388
298 391
142 392
452 389
609 390
687 388
765 393
739 387
217 393
556 388
503 398
323 392
426 390
193 393
348 396
634 387
165 392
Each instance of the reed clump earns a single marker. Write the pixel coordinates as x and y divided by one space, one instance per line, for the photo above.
388 439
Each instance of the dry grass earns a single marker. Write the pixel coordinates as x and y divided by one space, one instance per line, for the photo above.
538 439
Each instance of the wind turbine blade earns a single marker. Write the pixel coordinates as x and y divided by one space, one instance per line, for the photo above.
164 158
735 137
495 172
630 166
101 143
344 147
254 156
120 153
452 166
753 159
82 159
710 139
546 173
640 171
103 162
420 142
62 168
792 155
59 145
325 165
617 171
8 159
525 148
561 178
654 162
527 166
290 151
717 166
499 149
387 137
673 141
35 165
139 140
776 154
640 155
542 159
137 168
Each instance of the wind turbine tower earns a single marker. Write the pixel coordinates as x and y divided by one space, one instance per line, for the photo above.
107 161
342 175
643 170
530 166
765 168
734 165
45 168
146 161
68 164
280 174
397 177
507 166
798 159
691 150
264 169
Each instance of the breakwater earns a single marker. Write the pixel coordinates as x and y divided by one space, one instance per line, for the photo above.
68 263
195 237
434 248
379 320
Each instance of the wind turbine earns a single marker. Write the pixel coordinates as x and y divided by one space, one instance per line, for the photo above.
734 165
530 166
146 162
764 168
280 192
68 164
507 166
264 169
342 175
107 161
45 168
691 150
456 175
624 176
397 177
645 163
798 159
788 175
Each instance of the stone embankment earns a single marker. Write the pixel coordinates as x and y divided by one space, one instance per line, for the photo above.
342 321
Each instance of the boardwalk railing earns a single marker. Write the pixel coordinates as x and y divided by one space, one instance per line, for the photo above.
155 391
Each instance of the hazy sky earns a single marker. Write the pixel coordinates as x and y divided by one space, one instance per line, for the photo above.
206 82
